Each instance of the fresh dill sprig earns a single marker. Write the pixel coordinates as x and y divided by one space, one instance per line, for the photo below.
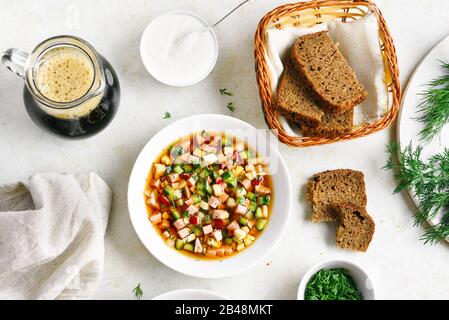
429 182
231 106
138 292
225 92
167 115
434 107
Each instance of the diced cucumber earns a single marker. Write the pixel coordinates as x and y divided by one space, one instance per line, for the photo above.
240 192
197 231
208 188
168 191
243 221
199 186
226 175
179 244
179 202
177 194
175 213
232 182
168 169
251 196
253 206
187 168
196 198
249 214
258 213
186 214
177 169
188 247
261 224
207 219
264 200
241 200
200 193
204 174
228 241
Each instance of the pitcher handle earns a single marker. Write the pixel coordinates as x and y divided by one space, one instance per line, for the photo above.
15 60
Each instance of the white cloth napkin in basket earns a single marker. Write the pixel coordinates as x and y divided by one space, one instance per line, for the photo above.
52 236
359 42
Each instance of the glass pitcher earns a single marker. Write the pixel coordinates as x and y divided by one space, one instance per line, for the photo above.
70 89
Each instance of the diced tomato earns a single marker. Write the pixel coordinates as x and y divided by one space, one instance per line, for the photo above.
218 224
194 220
219 181
164 200
258 180
185 176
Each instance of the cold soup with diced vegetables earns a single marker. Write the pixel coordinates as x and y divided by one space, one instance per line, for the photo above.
209 195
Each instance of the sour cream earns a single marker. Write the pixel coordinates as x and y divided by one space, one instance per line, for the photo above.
175 64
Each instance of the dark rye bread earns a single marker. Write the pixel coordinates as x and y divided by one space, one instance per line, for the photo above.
330 189
293 100
356 228
332 125
327 72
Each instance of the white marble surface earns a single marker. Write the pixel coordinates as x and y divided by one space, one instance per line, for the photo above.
401 266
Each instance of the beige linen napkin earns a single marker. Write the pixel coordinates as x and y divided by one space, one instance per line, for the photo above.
359 42
52 236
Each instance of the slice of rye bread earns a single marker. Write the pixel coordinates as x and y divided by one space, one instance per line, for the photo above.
293 100
356 228
327 72
332 125
329 189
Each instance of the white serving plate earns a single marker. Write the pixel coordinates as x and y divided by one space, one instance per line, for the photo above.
408 127
360 277
190 294
248 258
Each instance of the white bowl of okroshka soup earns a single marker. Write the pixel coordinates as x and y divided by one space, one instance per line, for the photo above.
210 196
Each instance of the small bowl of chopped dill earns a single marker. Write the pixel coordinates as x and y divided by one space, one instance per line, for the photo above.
336 280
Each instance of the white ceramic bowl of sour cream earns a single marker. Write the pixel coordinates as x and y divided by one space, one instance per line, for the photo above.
266 145
169 66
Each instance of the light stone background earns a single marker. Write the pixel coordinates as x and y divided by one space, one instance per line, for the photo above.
400 265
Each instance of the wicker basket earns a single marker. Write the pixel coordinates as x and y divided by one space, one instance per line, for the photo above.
308 14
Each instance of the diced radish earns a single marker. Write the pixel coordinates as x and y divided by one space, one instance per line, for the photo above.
192 209
261 189
240 209
164 200
191 181
179 224
183 233
218 190
209 159
188 202
173 177
220 214
265 211
218 224
227 150
198 246
213 202
166 234
194 220
156 218
207 229
246 183
152 200
217 235
156 183
233 226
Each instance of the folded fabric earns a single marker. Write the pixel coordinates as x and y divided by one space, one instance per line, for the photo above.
358 41
52 236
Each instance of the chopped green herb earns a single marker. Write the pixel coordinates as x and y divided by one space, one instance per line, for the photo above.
231 106
332 284
167 115
434 107
429 181
138 292
225 92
